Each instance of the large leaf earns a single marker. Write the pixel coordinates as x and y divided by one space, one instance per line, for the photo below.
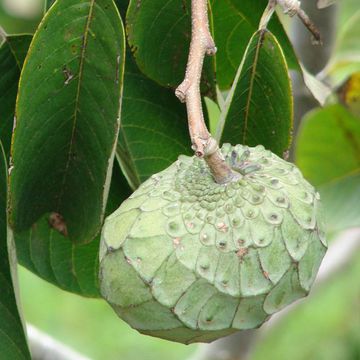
235 21
341 203
259 107
328 153
72 267
346 10
159 33
12 54
12 337
153 130
328 145
67 118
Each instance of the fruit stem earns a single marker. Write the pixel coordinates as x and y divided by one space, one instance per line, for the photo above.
188 92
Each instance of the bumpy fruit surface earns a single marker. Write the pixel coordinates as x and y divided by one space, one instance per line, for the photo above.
189 260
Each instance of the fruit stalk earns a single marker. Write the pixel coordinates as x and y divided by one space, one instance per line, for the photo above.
188 92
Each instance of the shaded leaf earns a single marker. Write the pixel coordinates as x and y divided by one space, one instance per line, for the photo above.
318 89
328 145
346 10
12 55
47 4
122 5
154 128
345 59
321 4
341 203
259 107
328 153
12 337
214 113
235 21
54 258
159 34
67 118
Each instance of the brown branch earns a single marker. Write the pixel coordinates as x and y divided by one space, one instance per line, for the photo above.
188 92
292 8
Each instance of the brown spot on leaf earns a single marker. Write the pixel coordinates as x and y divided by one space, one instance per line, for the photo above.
57 222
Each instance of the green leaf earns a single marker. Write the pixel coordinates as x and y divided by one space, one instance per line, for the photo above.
328 153
154 128
340 200
235 21
67 118
12 336
259 107
159 34
345 59
213 112
347 44
47 4
12 55
328 145
346 10
72 267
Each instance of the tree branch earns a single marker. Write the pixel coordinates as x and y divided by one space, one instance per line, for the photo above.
291 8
188 91
314 58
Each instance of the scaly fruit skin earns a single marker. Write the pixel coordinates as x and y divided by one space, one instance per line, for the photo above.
189 260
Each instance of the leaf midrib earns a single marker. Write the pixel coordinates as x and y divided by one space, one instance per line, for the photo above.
14 55
251 86
77 98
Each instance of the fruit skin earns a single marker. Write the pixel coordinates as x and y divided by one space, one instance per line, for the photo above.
189 260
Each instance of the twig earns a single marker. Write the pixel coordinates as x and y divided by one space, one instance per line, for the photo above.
292 8
188 91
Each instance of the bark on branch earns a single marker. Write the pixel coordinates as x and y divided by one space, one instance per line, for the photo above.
188 92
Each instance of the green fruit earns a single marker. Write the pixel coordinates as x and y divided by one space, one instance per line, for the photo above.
190 260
